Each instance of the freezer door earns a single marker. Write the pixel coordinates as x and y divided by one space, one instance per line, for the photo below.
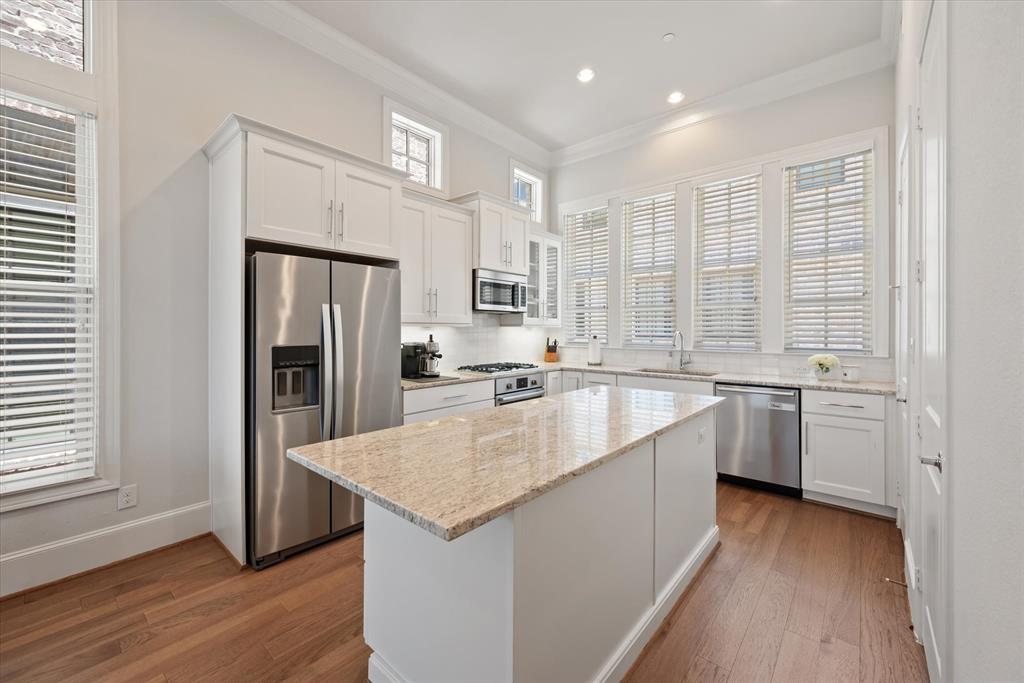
289 505
366 302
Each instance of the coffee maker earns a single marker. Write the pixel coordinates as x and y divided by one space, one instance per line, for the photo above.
420 359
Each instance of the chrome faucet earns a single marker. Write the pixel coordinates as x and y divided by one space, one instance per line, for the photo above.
684 358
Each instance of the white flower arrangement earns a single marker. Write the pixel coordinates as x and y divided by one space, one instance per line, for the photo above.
824 364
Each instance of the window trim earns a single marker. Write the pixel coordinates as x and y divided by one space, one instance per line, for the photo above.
538 177
94 91
428 126
773 243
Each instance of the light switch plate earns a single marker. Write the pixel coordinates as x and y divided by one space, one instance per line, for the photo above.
701 434
127 496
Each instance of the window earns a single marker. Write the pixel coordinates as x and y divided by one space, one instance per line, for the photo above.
416 145
727 264
47 297
828 266
649 270
51 29
586 235
528 190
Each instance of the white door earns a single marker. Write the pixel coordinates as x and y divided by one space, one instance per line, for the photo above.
553 383
901 301
534 279
933 471
492 244
551 277
369 205
289 193
571 380
451 257
414 261
844 457
517 226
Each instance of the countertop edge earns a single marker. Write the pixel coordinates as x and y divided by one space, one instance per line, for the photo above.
453 532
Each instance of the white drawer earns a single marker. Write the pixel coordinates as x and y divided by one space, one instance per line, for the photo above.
418 400
868 406
593 379
679 386
427 415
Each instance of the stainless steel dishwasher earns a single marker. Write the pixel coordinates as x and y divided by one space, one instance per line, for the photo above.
759 437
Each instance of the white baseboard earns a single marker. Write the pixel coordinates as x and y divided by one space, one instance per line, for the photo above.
379 671
618 665
23 569
860 506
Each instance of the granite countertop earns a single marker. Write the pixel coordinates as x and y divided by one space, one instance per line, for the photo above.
451 475
777 380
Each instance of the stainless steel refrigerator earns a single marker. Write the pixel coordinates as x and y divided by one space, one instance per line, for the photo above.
323 353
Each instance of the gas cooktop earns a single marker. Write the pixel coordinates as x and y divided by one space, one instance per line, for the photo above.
489 368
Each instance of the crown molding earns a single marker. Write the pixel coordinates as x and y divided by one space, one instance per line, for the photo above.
832 69
293 23
892 18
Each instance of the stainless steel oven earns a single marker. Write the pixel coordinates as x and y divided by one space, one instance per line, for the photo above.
499 292
515 389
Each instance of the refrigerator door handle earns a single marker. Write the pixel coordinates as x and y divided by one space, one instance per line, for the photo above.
339 373
327 387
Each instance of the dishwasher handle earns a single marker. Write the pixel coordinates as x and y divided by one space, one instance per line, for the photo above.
762 392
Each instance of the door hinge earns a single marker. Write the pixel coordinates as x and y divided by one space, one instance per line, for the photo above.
917 425
917 578
917 124
918 271
899 198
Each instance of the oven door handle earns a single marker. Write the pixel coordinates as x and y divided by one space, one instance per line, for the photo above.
518 396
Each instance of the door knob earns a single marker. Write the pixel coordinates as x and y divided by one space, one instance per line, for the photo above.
935 462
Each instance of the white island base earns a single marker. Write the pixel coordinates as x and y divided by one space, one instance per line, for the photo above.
568 587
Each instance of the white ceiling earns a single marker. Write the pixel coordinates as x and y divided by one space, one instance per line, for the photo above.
517 61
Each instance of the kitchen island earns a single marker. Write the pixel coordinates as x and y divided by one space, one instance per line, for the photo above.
541 541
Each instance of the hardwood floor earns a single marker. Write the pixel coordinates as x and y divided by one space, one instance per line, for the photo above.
795 592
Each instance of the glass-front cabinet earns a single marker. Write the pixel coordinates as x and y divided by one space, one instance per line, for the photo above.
544 280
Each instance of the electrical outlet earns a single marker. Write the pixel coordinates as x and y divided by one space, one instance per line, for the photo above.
127 496
700 434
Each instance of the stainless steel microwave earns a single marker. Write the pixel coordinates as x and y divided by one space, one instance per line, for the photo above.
499 292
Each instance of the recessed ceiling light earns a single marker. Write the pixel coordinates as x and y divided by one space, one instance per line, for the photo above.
585 75
35 24
676 97
668 37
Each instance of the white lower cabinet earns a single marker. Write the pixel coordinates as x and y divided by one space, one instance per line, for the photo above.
436 262
843 456
572 380
597 379
553 382
679 386
437 413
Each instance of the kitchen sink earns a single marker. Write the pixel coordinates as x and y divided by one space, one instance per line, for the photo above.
677 371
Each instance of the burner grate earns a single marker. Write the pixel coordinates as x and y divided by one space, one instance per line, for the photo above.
497 367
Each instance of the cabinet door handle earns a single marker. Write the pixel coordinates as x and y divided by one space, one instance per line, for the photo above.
330 217
840 405
435 302
428 301
805 437
341 220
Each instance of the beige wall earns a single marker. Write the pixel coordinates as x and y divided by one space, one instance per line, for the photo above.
184 66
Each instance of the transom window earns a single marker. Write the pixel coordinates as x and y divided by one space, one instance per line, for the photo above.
528 191
417 149
51 29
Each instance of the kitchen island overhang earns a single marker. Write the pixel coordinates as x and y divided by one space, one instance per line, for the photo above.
539 541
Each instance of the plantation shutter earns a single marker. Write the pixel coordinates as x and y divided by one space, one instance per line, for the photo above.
47 289
828 269
586 235
649 270
727 269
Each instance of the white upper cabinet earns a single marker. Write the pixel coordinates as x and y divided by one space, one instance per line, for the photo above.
436 262
289 193
298 191
368 206
499 234
543 280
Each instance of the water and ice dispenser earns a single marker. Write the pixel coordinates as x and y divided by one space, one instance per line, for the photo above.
296 377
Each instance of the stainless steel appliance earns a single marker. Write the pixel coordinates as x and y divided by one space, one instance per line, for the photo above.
520 388
759 436
322 338
491 368
499 292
